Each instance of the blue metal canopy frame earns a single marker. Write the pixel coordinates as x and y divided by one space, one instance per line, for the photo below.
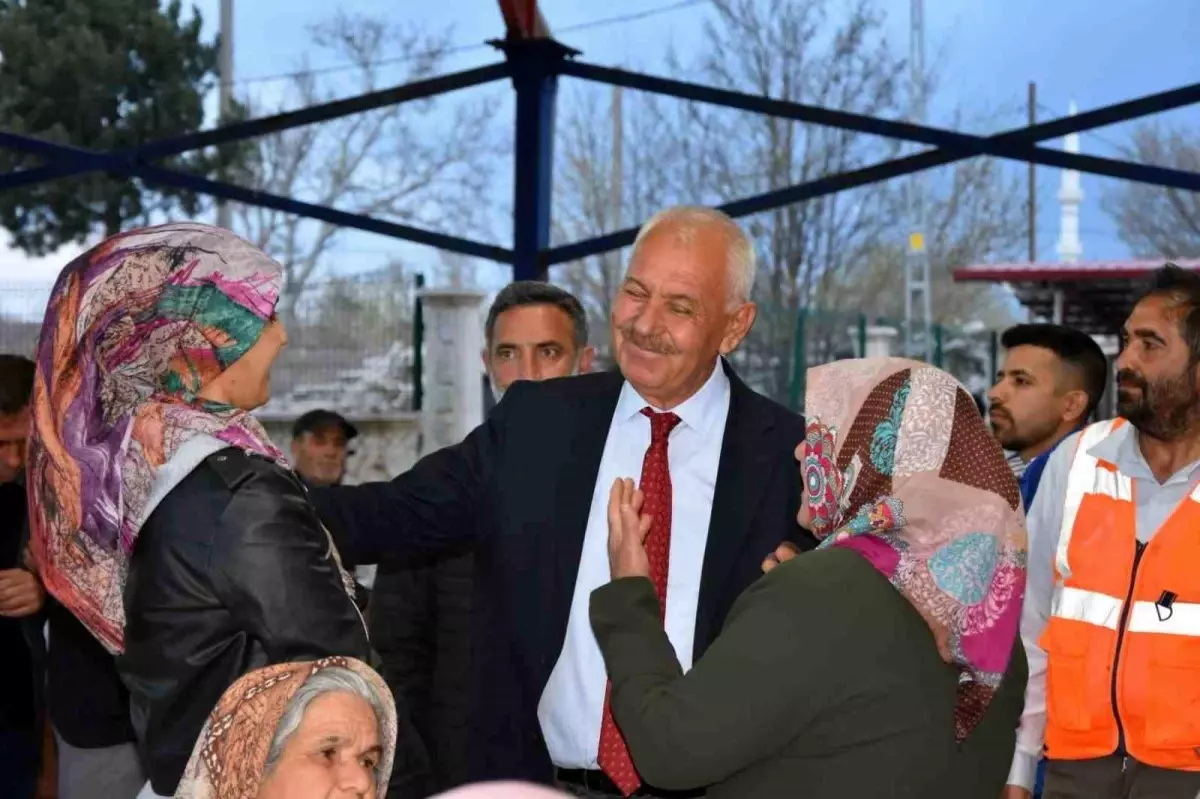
534 66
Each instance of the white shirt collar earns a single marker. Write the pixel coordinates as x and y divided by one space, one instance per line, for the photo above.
1122 448
701 412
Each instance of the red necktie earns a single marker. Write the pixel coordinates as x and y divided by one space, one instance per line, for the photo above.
655 486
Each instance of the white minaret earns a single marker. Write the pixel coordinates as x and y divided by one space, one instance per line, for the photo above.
1070 195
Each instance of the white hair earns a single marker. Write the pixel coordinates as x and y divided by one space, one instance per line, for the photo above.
328 680
740 258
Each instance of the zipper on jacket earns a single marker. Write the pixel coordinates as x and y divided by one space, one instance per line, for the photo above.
1125 611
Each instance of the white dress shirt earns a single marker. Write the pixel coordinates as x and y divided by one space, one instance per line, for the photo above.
1154 503
572 705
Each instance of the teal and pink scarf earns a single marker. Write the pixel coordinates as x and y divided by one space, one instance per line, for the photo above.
135 327
899 466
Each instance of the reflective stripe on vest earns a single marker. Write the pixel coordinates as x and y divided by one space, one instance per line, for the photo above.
1102 610
1091 607
1182 618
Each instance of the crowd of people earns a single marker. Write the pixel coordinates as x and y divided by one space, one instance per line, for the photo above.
648 581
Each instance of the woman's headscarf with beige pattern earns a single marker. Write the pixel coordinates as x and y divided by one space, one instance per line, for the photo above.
230 757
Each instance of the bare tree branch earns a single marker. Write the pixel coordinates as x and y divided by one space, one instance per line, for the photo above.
1156 222
821 254
411 162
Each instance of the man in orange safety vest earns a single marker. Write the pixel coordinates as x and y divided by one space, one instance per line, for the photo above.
1111 620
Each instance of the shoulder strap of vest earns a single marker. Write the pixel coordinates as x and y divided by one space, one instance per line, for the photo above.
1094 433
1081 480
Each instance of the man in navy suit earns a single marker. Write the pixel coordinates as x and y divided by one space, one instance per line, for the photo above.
528 488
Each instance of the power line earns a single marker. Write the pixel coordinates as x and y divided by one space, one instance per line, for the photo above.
347 67
1104 139
1100 137
1052 233
436 53
470 48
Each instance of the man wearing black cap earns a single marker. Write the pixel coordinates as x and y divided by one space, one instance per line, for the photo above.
320 445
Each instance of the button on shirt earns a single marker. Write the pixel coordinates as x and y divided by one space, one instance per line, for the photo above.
1154 503
572 705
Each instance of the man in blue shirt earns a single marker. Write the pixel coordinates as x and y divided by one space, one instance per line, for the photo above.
1050 383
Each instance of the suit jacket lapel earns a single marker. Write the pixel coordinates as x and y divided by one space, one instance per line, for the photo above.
579 468
747 459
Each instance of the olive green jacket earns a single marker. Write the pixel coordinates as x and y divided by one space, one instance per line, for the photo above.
824 682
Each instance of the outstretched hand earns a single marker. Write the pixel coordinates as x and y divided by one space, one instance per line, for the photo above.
782 554
627 530
787 550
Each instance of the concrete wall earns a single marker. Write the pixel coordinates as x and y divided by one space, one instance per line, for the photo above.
390 443
453 403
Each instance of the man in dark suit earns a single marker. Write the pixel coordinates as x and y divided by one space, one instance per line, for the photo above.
420 617
529 488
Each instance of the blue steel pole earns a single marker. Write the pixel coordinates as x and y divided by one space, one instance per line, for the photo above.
535 66
263 126
228 191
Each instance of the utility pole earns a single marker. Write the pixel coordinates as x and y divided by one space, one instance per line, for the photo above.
618 157
917 290
225 70
616 180
1032 179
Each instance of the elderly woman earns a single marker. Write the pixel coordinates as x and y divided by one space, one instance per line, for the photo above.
308 730
875 666
162 515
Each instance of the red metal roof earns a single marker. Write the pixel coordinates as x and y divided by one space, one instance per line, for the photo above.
1097 295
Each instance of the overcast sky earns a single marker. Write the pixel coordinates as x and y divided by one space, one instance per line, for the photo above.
1094 51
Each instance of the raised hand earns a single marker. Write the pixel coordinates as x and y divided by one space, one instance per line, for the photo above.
627 530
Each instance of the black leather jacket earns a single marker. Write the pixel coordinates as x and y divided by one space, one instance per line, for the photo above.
232 572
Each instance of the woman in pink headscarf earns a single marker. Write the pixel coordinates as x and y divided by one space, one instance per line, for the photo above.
884 664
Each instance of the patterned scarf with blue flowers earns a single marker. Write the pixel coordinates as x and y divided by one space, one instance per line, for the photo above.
899 466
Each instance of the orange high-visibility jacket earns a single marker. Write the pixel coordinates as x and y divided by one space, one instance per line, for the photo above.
1123 638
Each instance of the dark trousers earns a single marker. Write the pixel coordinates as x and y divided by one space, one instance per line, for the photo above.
1117 777
584 792
18 763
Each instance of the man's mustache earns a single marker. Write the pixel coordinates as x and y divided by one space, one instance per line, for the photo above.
658 344
1130 378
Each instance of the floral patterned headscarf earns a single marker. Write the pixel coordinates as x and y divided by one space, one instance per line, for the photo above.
134 329
900 467
230 757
